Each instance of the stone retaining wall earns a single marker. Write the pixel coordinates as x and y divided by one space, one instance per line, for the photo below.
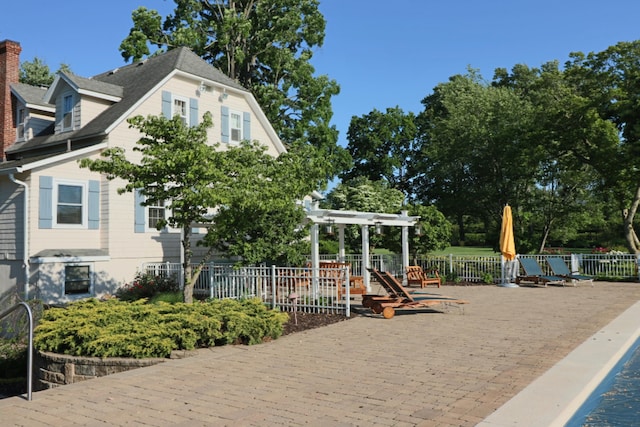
53 370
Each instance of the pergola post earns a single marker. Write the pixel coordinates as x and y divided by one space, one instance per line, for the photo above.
364 232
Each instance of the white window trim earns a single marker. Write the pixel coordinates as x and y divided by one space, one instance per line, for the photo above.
85 203
174 113
64 279
240 129
64 96
147 225
167 228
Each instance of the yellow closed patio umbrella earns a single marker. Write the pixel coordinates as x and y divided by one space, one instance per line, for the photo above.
507 244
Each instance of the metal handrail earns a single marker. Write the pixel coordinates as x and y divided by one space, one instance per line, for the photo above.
30 349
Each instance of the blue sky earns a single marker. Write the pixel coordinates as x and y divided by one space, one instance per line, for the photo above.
382 53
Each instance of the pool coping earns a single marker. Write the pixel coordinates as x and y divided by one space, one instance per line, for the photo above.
554 397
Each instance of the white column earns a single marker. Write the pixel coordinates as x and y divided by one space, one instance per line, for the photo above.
341 242
364 232
405 252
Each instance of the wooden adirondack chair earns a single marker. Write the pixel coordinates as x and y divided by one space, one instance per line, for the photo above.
417 276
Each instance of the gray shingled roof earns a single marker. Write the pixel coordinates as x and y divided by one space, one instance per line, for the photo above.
95 85
31 94
136 80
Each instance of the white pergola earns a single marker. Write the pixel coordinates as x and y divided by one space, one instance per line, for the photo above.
339 219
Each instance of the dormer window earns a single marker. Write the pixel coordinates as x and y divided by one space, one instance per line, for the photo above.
20 122
67 112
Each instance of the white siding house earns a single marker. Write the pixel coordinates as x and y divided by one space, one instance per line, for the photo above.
65 232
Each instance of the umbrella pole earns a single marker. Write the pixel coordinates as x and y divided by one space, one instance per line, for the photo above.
505 282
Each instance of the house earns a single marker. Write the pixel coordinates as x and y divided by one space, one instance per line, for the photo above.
65 232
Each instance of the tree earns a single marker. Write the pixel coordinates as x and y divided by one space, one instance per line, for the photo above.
555 206
383 146
476 151
267 46
435 232
36 73
177 166
261 220
610 81
363 195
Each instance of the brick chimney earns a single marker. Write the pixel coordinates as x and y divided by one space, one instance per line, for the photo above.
9 73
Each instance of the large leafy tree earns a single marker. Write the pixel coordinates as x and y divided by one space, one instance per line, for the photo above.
383 146
176 165
267 46
562 200
610 81
476 149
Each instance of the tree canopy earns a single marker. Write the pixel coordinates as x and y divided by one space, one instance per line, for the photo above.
245 197
267 46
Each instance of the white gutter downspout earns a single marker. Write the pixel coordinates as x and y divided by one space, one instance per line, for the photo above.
25 217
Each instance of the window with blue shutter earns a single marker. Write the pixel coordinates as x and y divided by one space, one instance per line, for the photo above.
65 203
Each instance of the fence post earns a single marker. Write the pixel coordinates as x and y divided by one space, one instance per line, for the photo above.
273 286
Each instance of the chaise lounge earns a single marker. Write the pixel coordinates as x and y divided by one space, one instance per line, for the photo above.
399 298
561 269
533 274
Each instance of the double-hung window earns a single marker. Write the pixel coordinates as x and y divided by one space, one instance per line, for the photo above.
155 214
67 112
235 126
70 199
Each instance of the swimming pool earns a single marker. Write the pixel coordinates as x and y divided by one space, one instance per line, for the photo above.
559 395
616 401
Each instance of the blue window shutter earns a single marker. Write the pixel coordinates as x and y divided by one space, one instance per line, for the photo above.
139 212
193 111
225 124
45 208
94 205
246 126
166 104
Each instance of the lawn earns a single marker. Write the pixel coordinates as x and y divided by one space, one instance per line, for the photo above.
466 250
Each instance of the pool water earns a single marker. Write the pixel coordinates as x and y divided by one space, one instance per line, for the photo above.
616 401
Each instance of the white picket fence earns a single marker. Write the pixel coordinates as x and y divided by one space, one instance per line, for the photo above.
318 290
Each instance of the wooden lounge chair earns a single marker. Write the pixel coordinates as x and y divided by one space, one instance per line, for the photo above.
399 298
417 276
533 274
561 269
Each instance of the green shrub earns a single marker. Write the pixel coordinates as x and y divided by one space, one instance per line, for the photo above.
116 328
170 297
146 286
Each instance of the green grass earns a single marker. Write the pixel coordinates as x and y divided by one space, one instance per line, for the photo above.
466 250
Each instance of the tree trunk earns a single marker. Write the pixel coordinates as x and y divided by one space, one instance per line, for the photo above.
628 216
186 265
